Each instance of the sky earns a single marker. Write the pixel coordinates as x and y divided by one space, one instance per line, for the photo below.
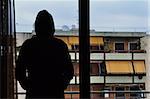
105 15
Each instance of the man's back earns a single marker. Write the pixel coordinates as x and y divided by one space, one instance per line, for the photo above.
46 60
48 64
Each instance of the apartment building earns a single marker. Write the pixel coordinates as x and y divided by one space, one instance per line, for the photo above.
117 64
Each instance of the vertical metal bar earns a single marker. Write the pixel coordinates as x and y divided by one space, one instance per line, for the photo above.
7 87
75 56
75 79
3 92
14 41
4 77
84 52
0 43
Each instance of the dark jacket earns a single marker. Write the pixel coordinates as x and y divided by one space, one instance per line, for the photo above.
44 67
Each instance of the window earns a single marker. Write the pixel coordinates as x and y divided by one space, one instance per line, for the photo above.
133 46
96 47
92 47
102 68
97 87
119 46
64 25
75 47
76 69
135 95
94 69
120 95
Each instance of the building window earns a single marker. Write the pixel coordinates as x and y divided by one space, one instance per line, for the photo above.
97 87
94 69
76 69
119 46
92 47
133 46
120 95
75 47
135 95
96 47
102 68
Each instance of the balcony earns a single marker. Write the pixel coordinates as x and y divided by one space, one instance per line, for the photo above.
98 57
102 55
111 79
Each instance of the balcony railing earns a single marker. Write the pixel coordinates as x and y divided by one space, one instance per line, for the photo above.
100 56
111 79
141 94
111 55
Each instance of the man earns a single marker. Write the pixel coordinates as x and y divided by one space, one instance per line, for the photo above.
44 67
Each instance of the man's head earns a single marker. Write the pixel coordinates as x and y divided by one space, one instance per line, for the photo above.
44 24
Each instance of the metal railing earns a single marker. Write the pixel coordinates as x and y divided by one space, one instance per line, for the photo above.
72 93
99 55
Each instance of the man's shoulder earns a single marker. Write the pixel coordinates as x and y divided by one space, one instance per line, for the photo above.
28 41
59 41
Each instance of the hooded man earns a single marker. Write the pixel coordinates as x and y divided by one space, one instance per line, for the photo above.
44 67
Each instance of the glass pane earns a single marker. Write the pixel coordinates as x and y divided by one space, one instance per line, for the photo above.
119 46
20 89
116 29
133 46
65 15
20 96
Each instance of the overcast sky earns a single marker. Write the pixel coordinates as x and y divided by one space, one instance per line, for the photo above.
125 15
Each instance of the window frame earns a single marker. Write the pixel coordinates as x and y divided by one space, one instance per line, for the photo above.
119 42
129 45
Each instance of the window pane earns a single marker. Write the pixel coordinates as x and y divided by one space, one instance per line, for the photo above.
135 88
20 96
94 69
119 24
133 46
119 95
119 46
65 14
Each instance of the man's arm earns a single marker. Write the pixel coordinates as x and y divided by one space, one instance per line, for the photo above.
68 70
20 71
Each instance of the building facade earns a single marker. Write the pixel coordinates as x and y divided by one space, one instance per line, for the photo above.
117 64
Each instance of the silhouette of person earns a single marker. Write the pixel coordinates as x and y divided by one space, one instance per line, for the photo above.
44 67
